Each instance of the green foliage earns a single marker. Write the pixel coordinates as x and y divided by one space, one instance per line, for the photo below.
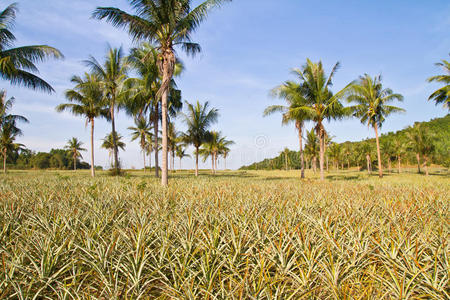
438 129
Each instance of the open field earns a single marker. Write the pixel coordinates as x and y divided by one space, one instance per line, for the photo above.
237 235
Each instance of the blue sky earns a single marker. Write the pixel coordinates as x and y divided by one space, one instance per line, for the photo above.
249 47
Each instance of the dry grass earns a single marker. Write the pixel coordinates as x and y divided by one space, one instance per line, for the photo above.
253 235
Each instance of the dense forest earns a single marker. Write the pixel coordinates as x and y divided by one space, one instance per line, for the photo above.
362 154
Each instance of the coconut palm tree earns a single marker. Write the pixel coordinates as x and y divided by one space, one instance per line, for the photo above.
321 104
143 89
5 116
140 132
167 24
17 65
74 146
421 142
108 143
8 134
112 73
335 151
372 106
86 100
198 119
366 151
291 92
442 95
400 150
312 148
387 145
223 149
181 152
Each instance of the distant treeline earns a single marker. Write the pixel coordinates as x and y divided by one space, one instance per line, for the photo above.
55 159
355 154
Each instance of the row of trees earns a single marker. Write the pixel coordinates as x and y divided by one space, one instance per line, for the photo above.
422 143
311 99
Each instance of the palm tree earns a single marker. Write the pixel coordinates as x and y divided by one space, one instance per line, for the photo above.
143 89
181 153
312 148
400 149
442 95
74 146
422 144
8 134
140 132
366 150
86 101
223 149
321 104
292 93
109 141
17 65
112 75
389 151
198 119
166 24
335 153
5 106
372 106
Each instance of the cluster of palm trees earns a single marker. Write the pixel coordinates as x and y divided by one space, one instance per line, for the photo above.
108 87
418 141
311 99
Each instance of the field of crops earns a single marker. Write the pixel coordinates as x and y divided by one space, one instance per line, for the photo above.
253 235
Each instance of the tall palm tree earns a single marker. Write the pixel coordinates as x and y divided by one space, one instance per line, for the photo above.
198 119
421 142
166 24
292 93
17 65
442 95
181 153
321 104
5 107
140 132
312 148
8 134
86 101
74 146
223 149
372 106
111 142
143 90
112 74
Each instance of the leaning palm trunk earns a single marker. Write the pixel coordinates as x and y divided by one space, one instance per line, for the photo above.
418 162
299 126
380 168
92 149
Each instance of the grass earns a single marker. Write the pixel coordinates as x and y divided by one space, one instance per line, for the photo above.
237 235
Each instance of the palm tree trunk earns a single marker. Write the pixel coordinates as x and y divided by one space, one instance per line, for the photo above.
380 168
399 164
92 149
143 155
4 162
155 131
418 162
113 125
322 153
74 162
299 126
425 165
196 161
150 162
225 162
164 168
389 164
180 163
212 163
